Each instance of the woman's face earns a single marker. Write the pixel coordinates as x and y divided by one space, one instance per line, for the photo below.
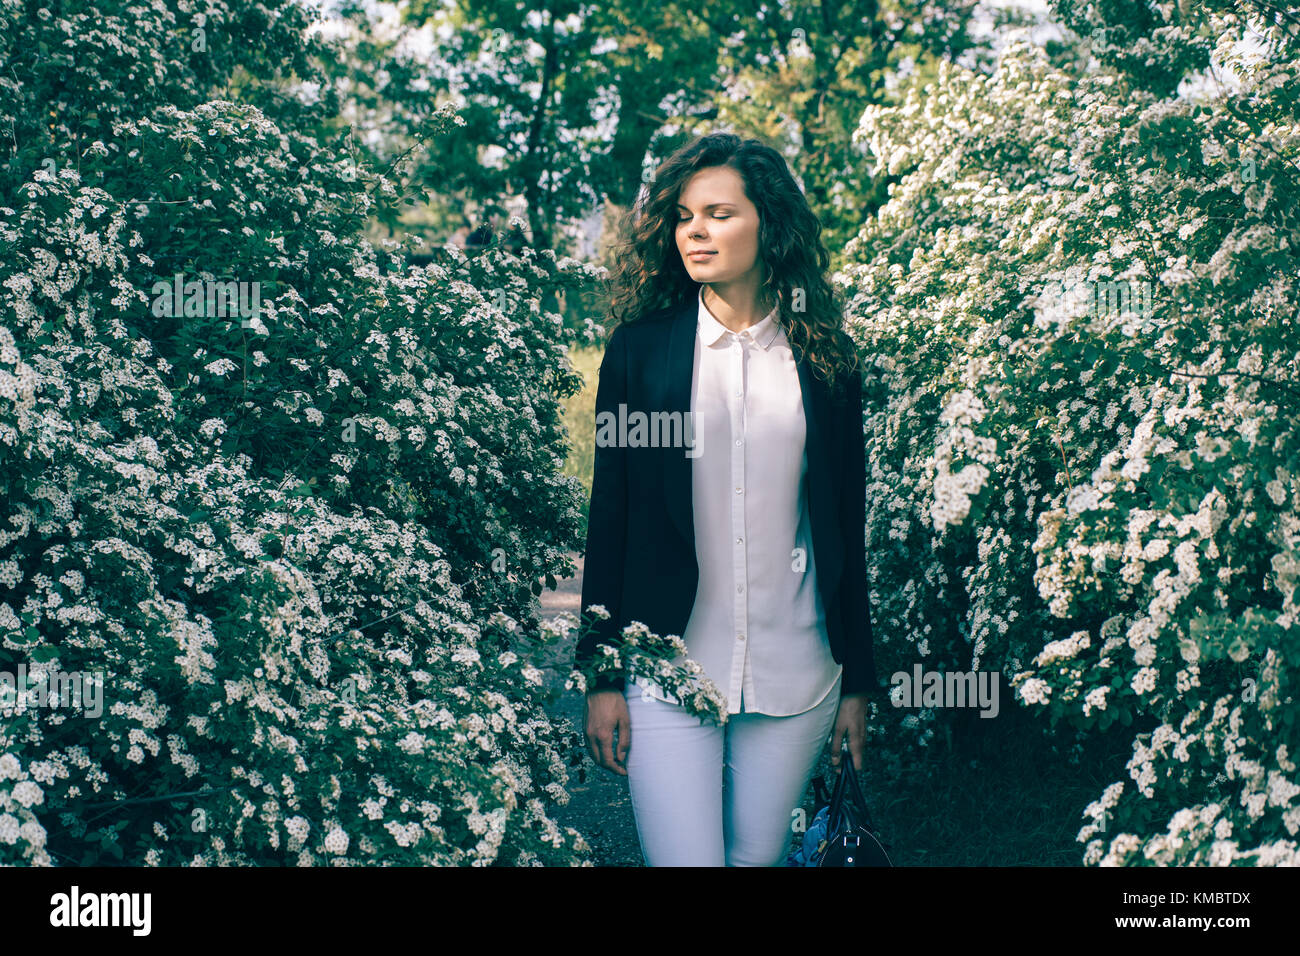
714 215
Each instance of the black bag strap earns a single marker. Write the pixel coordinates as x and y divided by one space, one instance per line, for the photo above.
857 797
835 822
820 797
848 808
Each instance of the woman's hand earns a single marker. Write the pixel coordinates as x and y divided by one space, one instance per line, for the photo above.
606 712
850 721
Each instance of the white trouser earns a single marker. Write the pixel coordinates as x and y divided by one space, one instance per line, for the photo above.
705 795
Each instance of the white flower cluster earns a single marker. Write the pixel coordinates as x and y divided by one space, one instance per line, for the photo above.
953 492
1035 691
1063 649
336 841
1095 699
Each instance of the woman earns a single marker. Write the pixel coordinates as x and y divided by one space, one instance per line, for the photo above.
748 541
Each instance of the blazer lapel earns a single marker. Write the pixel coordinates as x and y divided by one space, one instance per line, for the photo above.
823 470
679 368
678 372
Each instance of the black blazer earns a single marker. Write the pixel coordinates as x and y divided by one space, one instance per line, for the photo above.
641 563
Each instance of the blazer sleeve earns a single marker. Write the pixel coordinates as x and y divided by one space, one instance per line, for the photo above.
859 662
603 565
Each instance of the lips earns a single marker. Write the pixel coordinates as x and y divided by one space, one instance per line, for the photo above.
702 252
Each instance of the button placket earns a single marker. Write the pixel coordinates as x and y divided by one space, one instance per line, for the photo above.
740 652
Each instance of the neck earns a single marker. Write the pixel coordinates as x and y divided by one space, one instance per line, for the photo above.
735 308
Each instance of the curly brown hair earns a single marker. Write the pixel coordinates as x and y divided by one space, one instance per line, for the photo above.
649 274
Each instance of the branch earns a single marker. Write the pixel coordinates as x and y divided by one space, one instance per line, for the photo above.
1258 378
166 798
1068 480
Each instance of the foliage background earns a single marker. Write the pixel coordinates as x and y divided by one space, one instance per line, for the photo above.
304 550
295 550
1098 501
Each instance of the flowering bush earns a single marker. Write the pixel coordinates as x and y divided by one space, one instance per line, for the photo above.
294 541
1079 304
642 655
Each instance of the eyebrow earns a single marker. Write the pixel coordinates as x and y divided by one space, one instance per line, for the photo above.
712 205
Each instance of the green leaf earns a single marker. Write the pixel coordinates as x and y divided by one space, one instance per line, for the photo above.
45 653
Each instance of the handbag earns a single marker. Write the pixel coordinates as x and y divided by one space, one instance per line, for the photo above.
841 833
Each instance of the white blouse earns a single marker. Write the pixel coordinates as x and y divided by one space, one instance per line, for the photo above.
758 627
